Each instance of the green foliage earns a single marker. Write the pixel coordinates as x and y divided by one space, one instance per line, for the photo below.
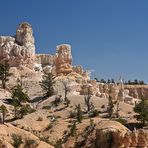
45 139
72 114
79 114
110 108
58 144
17 140
30 143
40 119
94 113
46 107
19 97
73 129
49 126
57 101
142 110
4 110
122 121
102 81
47 84
25 109
4 74
67 101
19 94
135 82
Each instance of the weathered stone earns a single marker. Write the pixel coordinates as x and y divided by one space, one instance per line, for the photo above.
44 59
63 59
19 50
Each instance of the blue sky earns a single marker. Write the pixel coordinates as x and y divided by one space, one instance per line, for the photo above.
109 36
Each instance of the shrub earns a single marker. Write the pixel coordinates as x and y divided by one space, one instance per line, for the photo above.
17 140
49 126
30 143
46 107
93 113
40 119
122 121
58 144
72 114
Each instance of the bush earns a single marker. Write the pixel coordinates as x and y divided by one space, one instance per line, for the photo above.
40 119
17 140
30 143
46 107
72 114
122 121
49 126
58 144
94 113
45 139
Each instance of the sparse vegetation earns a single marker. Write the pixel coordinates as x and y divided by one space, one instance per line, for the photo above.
30 143
58 144
122 121
4 110
79 114
66 89
142 110
17 140
40 119
87 99
110 108
47 84
57 100
73 129
50 125
4 73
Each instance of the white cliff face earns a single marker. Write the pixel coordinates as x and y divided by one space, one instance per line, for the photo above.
18 50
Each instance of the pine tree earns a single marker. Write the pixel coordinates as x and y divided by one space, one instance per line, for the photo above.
4 111
110 108
79 114
87 99
73 129
47 84
19 94
18 97
4 74
142 110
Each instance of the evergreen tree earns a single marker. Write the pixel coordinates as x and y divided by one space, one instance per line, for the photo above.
47 84
73 129
19 94
15 104
142 110
4 111
79 114
110 108
87 99
4 74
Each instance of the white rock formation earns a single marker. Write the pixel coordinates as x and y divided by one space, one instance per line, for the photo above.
63 59
18 50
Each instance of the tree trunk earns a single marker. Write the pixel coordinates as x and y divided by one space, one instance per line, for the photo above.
3 117
3 84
